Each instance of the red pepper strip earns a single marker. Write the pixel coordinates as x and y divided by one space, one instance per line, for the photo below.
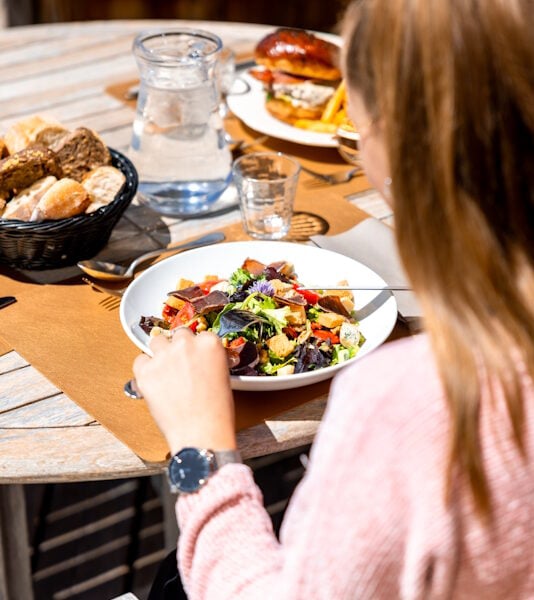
322 334
315 325
185 314
194 326
309 296
237 342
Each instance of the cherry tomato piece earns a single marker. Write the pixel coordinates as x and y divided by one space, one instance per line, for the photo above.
322 334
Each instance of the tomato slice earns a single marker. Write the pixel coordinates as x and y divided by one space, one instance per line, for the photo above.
185 314
263 75
168 313
206 286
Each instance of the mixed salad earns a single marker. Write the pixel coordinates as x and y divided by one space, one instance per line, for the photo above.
267 322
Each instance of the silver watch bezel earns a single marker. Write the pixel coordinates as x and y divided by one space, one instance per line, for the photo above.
215 460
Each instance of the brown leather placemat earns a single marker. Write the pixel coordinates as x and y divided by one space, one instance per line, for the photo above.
68 332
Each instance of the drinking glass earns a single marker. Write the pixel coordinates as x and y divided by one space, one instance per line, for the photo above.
266 183
178 144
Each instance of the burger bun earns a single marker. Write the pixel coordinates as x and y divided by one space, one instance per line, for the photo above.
299 52
287 112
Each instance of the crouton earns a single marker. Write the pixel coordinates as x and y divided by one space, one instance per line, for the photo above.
174 302
280 345
330 319
183 284
280 287
297 316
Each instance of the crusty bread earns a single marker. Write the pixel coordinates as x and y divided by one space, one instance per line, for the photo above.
33 130
103 183
16 137
4 151
23 204
66 198
23 168
81 151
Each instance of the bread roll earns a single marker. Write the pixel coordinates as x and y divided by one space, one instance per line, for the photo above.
23 204
81 151
33 130
20 170
3 149
66 198
103 183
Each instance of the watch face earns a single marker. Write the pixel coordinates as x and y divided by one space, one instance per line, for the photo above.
189 469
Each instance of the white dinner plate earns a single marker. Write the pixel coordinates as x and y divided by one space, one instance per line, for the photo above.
247 101
376 311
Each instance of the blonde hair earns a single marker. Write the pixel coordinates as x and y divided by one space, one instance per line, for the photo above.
451 83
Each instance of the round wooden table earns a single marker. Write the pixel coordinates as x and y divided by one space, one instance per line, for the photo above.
65 70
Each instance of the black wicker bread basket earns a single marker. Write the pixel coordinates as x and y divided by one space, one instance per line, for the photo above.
55 244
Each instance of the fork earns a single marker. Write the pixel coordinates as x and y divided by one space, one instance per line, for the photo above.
118 292
333 178
240 146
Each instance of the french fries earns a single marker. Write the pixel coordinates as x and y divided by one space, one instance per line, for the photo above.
315 125
334 114
334 104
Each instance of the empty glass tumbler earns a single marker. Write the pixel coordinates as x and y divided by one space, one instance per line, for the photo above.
178 143
266 183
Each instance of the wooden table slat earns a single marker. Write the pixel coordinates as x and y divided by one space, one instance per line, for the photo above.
56 411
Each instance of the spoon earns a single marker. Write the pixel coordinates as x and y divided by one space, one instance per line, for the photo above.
100 269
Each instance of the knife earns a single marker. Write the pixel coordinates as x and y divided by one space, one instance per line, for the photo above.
6 301
379 288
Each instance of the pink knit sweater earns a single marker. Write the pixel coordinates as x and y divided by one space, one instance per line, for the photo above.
368 521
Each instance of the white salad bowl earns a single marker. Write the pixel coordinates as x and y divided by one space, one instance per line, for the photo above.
376 311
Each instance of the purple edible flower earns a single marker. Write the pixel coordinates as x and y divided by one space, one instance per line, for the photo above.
262 287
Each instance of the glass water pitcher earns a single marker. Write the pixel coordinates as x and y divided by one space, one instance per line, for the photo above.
178 143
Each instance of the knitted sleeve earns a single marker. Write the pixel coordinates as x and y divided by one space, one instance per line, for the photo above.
345 533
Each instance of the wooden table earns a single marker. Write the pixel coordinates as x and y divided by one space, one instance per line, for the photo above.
64 70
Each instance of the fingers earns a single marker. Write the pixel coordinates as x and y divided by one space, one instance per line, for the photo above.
139 362
158 343
181 334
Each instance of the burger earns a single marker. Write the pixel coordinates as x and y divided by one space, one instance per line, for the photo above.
299 71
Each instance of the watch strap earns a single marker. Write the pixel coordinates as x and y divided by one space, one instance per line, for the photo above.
224 457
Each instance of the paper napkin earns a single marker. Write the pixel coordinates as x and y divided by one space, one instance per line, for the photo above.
373 244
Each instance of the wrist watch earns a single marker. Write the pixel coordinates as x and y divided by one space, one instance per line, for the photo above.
190 468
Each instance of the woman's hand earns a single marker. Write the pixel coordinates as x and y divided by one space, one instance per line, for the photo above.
187 387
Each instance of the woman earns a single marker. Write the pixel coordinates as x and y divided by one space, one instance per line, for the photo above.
421 479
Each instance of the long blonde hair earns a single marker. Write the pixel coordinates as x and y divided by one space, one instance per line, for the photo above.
451 83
